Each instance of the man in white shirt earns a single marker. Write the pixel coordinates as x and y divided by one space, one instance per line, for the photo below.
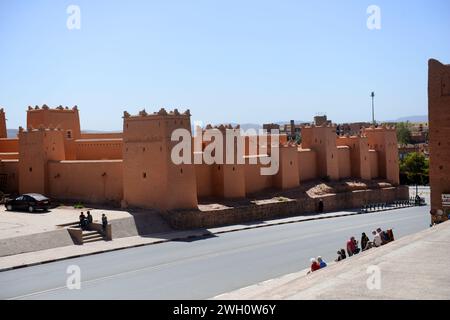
376 239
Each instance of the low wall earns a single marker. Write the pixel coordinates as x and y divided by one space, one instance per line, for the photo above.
190 219
35 242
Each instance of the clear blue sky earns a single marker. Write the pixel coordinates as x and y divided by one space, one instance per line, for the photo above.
228 61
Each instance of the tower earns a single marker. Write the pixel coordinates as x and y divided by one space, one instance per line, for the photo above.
61 117
322 139
384 141
36 148
3 131
439 133
359 155
150 178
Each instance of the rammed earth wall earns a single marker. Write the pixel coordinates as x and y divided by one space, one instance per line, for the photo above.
193 219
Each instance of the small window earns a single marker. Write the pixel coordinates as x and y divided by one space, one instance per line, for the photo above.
144 175
30 169
69 134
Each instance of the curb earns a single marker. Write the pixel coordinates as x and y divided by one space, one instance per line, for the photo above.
192 236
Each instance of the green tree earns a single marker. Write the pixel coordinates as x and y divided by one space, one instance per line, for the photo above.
403 133
416 168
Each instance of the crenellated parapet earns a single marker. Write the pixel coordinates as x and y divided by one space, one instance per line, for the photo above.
222 128
162 113
46 108
381 128
40 128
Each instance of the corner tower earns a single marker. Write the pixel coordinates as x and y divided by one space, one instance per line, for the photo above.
150 178
439 126
36 148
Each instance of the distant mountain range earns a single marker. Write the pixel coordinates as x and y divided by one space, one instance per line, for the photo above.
245 126
410 119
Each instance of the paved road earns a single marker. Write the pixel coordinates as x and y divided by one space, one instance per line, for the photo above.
204 268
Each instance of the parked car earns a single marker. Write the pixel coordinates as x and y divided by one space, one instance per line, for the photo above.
29 202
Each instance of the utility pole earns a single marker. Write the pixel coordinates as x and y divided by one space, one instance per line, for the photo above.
373 107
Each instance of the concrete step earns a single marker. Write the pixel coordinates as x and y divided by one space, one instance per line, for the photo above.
89 233
93 236
69 224
93 239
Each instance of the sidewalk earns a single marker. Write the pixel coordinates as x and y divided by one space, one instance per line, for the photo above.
74 251
413 267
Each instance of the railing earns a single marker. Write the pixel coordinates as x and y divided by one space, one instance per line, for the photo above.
397 204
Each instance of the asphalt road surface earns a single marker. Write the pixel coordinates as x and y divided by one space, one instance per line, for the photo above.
204 268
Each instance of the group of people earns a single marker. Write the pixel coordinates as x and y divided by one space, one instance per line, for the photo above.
317 263
86 221
380 237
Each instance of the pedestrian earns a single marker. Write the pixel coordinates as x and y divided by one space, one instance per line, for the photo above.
364 241
377 242
89 218
390 234
339 257
320 206
383 235
355 242
82 220
314 265
321 262
104 222
352 246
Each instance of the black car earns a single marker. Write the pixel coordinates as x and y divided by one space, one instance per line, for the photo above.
29 202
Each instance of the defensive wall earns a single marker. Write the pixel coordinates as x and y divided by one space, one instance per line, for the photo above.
134 168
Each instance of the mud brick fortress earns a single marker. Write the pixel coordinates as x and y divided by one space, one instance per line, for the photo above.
134 168
439 134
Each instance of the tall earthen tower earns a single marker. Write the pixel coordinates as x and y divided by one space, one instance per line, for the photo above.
3 131
322 139
66 119
384 140
150 178
439 133
36 148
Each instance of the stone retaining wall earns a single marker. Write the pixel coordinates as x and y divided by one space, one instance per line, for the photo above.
194 219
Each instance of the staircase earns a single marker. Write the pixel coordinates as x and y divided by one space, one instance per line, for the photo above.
83 236
92 236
